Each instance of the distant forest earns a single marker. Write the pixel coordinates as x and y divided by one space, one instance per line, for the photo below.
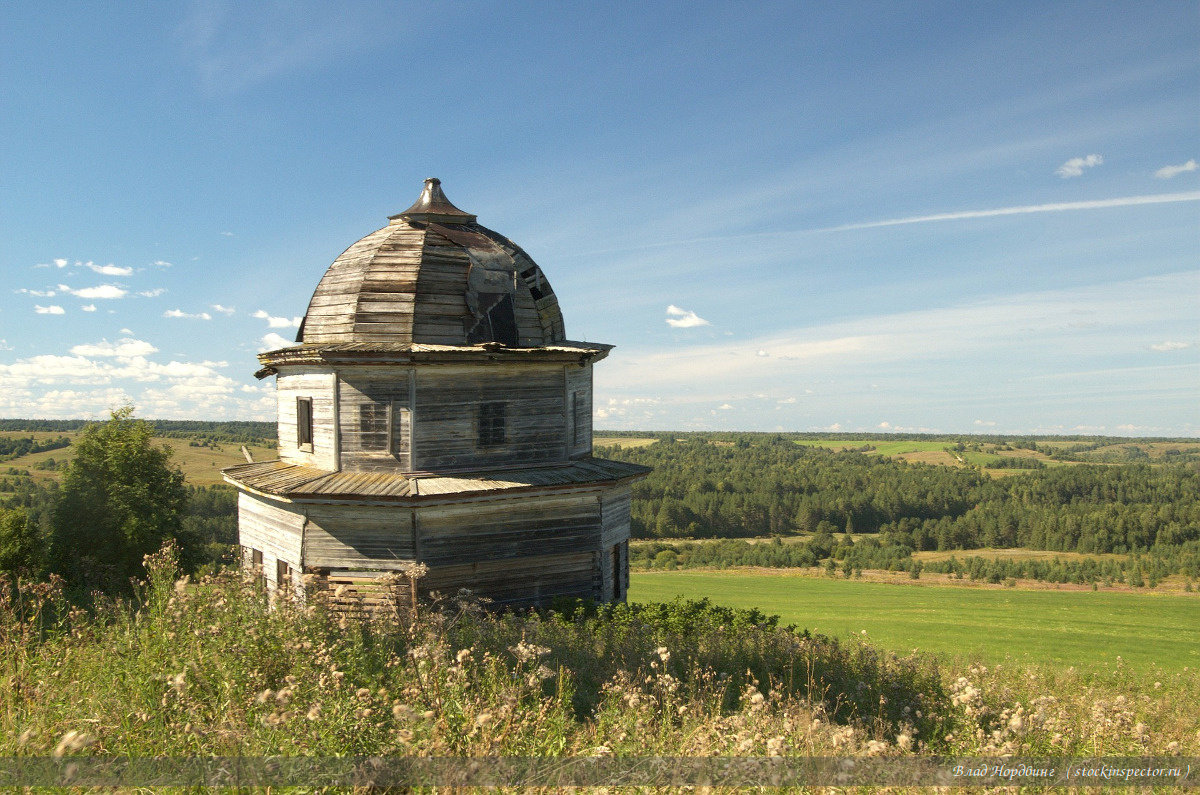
704 487
242 431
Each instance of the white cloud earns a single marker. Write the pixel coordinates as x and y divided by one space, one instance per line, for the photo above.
1075 166
227 234
125 347
273 341
761 352
49 310
38 293
725 407
180 313
224 310
277 322
155 293
986 423
110 269
60 263
1167 172
785 401
99 291
4 346
683 318
126 331
1170 345
88 307
161 263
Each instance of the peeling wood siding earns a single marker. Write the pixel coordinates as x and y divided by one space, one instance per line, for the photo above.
386 392
275 529
513 531
358 537
579 393
318 384
527 581
614 509
446 416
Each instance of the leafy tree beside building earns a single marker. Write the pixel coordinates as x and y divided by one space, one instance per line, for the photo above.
121 497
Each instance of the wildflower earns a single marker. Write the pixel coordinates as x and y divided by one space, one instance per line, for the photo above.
401 711
904 741
427 714
463 655
601 750
1172 747
1157 685
483 719
363 693
338 676
27 735
404 735
526 652
314 712
264 696
775 746
663 654
876 747
72 741
177 682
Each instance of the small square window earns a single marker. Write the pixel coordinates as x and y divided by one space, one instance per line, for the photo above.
491 424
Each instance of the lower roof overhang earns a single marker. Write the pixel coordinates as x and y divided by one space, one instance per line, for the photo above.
377 353
289 482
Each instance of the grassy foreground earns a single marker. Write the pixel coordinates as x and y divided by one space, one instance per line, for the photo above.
1065 628
207 669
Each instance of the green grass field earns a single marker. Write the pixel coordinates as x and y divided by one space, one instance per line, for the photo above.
881 447
1080 628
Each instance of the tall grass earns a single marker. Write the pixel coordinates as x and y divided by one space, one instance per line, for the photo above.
209 668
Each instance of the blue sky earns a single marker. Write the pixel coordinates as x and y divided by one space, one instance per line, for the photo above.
979 217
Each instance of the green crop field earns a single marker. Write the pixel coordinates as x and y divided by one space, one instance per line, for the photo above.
1080 628
898 447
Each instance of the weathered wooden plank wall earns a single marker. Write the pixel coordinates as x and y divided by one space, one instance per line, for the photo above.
508 530
375 418
579 397
446 424
318 384
358 537
274 529
536 580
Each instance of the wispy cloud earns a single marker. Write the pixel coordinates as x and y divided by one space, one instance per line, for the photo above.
1026 209
161 263
110 269
49 310
277 322
1075 166
684 318
1166 172
38 293
190 316
1170 345
224 310
156 292
88 307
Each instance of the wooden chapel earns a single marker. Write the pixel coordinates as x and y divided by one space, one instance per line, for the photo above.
433 412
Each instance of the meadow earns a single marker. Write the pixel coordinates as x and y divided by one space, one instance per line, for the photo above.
1081 628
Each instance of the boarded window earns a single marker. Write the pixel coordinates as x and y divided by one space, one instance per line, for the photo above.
491 424
580 418
304 423
373 425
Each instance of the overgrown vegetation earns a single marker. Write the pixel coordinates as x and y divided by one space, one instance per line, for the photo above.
205 668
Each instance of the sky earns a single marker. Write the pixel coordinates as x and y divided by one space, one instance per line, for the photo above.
934 217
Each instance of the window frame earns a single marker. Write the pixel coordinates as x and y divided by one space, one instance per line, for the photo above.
304 424
493 424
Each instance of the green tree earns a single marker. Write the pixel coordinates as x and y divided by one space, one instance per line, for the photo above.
121 498
20 546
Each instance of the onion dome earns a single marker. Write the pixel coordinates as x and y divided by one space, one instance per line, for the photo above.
433 276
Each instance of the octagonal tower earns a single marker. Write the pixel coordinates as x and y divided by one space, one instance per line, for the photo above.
433 411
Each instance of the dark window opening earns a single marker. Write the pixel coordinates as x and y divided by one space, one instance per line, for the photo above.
491 424
256 566
616 571
283 574
304 423
373 425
